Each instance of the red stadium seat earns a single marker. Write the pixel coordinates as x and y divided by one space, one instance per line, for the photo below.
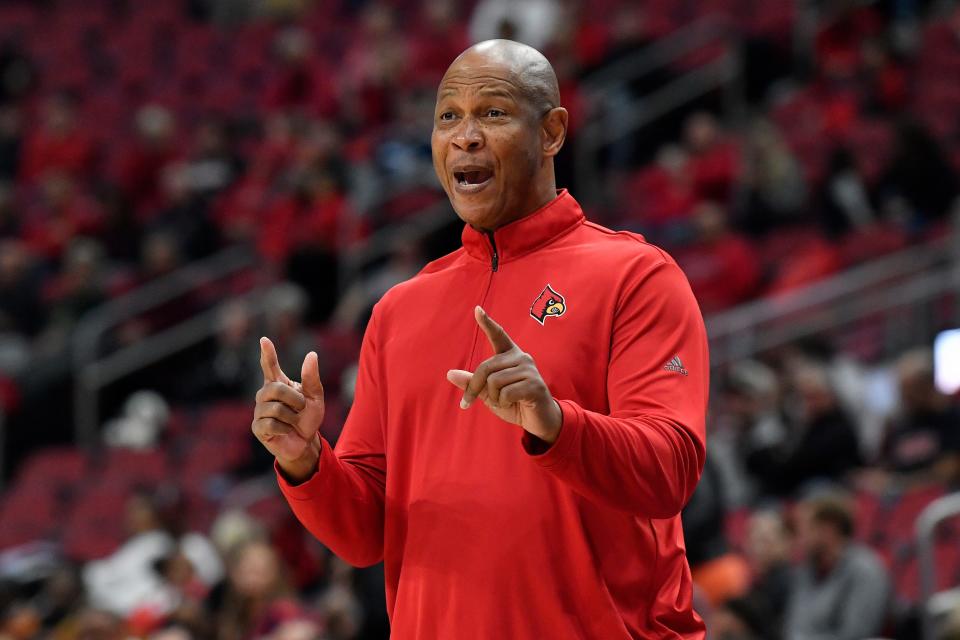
871 242
147 468
56 467
229 419
94 527
27 514
906 573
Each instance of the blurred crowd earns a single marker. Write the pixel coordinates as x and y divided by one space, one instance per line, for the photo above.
137 138
817 469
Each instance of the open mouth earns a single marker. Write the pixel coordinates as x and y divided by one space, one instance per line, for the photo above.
471 179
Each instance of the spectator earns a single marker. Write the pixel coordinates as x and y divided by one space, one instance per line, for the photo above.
820 443
842 590
885 77
9 220
714 159
440 37
375 61
161 257
924 439
212 165
256 597
844 201
339 605
11 141
659 199
60 595
18 73
774 189
76 290
94 624
743 619
721 574
748 417
63 212
312 216
20 622
125 580
186 215
21 309
233 368
60 144
721 265
920 174
140 167
531 22
301 82
768 552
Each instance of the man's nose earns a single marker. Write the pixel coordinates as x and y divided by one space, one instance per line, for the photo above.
468 137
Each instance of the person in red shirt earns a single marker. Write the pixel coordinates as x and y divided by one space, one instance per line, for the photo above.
59 145
722 266
529 411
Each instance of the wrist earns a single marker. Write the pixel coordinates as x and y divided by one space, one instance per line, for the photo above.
302 468
553 422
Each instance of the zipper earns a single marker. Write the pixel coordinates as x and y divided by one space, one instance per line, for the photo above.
494 265
495 257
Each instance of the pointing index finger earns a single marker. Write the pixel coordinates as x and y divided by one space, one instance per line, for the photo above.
498 338
270 363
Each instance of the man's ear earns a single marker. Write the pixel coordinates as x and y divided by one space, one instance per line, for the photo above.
553 130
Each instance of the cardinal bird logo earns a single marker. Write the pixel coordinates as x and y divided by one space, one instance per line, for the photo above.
548 303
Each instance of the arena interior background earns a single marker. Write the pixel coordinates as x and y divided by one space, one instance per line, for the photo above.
179 177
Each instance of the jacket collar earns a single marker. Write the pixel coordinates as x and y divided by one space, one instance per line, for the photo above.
526 234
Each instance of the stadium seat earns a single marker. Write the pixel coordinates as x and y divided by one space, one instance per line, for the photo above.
135 468
94 527
55 467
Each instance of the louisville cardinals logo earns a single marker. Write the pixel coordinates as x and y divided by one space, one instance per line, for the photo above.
548 303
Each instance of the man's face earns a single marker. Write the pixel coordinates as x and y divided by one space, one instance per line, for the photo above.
486 141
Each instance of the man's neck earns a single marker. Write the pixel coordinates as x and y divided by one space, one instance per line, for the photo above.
543 200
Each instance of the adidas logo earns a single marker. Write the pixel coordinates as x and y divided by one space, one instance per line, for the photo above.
675 365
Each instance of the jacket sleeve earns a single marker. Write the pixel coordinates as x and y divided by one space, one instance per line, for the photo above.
342 504
647 454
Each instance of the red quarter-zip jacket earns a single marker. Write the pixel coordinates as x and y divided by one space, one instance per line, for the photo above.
483 535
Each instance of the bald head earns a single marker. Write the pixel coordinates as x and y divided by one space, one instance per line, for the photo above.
528 69
497 126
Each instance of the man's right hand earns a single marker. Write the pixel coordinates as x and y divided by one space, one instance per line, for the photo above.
288 414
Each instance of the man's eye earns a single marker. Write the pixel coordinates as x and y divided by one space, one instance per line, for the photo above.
495 113
447 115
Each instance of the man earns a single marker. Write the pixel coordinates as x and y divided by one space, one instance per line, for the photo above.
842 590
820 443
568 526
922 441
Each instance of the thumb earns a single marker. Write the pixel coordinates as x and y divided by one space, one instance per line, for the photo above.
310 376
459 378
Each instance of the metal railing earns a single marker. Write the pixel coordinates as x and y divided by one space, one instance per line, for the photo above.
908 277
382 242
92 371
725 71
934 605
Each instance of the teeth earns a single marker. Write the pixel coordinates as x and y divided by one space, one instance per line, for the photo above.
470 177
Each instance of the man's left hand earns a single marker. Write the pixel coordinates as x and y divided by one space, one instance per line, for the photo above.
510 385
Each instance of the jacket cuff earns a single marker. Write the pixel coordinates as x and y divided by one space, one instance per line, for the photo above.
309 488
566 442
